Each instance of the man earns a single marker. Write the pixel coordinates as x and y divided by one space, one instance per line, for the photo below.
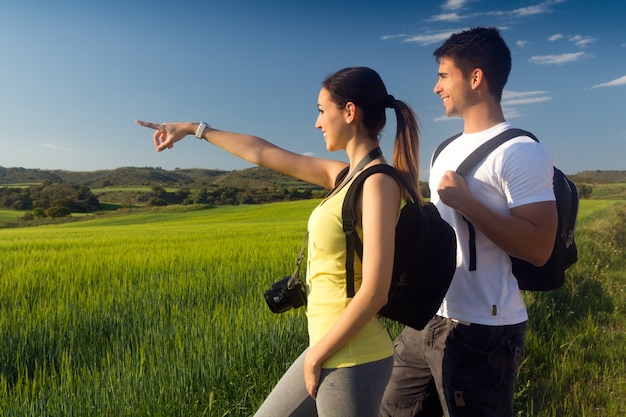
464 362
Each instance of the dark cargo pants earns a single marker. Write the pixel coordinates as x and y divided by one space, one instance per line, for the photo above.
471 369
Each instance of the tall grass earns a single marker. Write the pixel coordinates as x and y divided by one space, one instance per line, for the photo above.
160 313
576 345
153 314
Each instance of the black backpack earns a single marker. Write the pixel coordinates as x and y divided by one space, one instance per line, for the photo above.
424 259
564 254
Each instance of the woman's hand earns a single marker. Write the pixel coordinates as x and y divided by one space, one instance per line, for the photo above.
312 372
166 134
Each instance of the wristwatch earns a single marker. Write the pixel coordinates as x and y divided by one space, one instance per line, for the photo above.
200 130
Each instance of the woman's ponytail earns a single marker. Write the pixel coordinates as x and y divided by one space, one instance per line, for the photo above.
406 153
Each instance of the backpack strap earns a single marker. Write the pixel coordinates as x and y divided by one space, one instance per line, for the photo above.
342 175
345 175
349 217
471 161
441 147
486 148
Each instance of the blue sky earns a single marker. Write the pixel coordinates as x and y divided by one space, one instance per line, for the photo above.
74 75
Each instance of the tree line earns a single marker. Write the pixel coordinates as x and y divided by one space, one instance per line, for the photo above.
61 199
225 196
50 200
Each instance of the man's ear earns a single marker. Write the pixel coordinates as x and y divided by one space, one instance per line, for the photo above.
477 78
349 112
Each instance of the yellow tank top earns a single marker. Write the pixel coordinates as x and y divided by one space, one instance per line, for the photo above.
326 287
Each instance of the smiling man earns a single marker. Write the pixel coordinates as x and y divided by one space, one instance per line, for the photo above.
464 362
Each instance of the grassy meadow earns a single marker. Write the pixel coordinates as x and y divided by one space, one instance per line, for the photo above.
161 313
7 215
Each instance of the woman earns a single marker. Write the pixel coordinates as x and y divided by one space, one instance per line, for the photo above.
350 357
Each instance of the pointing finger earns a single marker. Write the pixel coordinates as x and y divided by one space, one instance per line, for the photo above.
147 124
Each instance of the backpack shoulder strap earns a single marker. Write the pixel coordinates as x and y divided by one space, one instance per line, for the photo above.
486 148
474 158
342 174
441 147
349 217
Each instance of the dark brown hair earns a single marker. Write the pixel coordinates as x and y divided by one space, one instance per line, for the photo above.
364 87
481 48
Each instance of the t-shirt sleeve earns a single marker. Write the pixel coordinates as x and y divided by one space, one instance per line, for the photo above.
528 173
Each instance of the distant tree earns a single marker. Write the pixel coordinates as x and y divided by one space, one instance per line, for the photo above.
156 201
15 198
83 200
159 192
584 190
247 198
201 196
39 213
180 196
58 211
293 193
76 198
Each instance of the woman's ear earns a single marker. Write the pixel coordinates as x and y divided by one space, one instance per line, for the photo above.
350 112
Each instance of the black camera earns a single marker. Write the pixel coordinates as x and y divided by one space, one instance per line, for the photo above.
285 294
289 292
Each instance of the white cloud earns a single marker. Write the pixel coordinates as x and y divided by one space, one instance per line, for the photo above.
450 14
453 4
445 118
388 37
536 9
530 10
511 113
521 43
555 37
530 100
424 40
580 41
557 59
614 83
514 98
447 17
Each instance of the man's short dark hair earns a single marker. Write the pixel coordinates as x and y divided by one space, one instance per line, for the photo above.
483 48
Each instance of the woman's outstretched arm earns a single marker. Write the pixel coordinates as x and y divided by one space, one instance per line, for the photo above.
252 149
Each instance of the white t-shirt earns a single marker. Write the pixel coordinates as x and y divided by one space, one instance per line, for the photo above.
518 172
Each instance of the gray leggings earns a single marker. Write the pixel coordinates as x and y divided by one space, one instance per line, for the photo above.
343 392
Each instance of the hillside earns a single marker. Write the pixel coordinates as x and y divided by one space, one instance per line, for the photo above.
252 178
599 177
255 178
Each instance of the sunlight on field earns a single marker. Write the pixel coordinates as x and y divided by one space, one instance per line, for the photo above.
161 312
588 207
162 306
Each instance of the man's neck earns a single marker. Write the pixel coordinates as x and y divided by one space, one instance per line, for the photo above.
482 117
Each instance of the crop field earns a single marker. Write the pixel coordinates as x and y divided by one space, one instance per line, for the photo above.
160 313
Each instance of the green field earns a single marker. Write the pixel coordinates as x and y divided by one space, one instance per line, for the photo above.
161 313
610 191
7 215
